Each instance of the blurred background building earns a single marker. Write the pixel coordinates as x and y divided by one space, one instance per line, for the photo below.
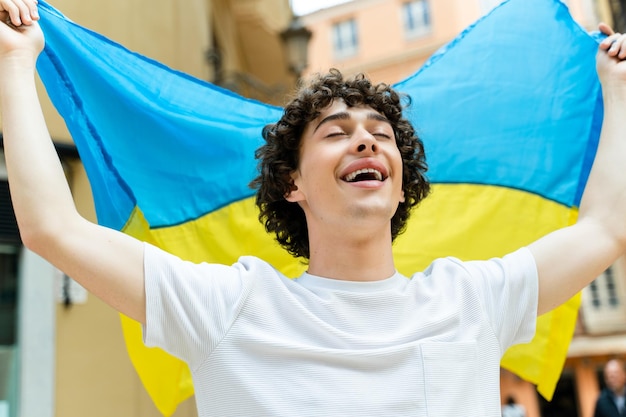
61 350
390 39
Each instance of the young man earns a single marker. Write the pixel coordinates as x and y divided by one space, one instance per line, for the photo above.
339 174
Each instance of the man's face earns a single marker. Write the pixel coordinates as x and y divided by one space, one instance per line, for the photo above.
614 376
350 168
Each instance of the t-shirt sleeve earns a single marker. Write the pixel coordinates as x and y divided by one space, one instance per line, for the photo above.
509 289
189 307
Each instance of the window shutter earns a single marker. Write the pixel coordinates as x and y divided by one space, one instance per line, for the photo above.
9 233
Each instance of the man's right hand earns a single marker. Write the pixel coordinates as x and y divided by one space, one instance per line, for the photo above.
20 35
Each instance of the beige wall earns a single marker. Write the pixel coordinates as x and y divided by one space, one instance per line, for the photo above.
160 29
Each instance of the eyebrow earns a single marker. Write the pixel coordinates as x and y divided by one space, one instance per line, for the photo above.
344 115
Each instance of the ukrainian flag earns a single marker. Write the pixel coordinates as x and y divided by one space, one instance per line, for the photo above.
509 111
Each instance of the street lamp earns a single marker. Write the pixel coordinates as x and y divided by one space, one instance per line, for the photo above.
296 39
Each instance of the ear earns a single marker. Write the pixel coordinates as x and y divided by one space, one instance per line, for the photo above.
402 198
295 194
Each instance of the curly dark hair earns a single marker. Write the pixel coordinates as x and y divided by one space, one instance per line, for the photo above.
279 156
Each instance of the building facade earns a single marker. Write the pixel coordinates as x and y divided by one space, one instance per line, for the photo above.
389 40
62 352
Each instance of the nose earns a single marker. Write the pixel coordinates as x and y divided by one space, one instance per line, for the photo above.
365 142
362 147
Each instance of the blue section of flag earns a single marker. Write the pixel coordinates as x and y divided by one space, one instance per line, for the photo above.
171 144
514 101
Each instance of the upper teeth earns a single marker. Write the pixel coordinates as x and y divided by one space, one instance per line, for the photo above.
353 175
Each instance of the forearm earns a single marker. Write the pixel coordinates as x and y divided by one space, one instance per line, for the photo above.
39 190
108 263
604 199
570 258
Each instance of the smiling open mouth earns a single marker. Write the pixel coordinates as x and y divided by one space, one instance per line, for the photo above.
367 174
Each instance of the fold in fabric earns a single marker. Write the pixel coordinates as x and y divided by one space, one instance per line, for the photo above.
509 111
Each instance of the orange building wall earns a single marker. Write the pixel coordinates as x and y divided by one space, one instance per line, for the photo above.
384 52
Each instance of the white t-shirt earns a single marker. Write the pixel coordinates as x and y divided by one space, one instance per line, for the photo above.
260 344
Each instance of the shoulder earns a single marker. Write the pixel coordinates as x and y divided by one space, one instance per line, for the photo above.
516 264
504 289
605 395
159 263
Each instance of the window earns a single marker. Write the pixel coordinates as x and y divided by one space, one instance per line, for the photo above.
8 295
8 330
10 245
345 39
416 16
603 292
604 302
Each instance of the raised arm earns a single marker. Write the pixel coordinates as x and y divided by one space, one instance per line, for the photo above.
106 262
570 258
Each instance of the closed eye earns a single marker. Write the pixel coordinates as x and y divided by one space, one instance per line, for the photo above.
382 135
333 134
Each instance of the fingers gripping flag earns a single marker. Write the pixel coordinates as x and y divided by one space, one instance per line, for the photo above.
510 124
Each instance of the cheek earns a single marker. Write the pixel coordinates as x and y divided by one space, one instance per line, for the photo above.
399 168
397 157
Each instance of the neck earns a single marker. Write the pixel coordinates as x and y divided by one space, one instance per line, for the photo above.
344 256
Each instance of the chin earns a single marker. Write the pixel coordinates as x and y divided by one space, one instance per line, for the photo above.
374 212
